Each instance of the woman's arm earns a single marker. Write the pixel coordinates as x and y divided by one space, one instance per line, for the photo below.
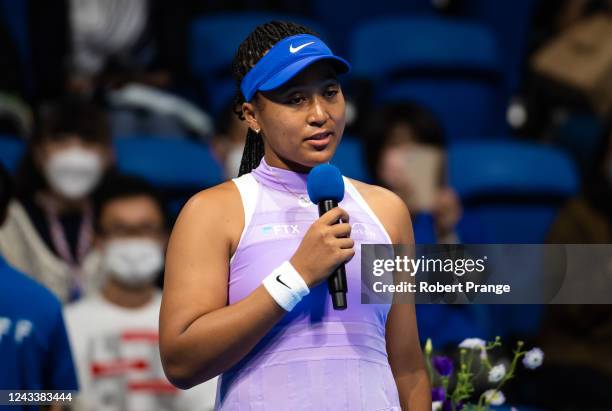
403 347
200 335
406 358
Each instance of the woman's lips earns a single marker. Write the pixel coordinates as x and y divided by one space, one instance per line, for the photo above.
320 140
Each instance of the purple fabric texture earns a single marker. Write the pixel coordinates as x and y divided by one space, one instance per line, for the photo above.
315 358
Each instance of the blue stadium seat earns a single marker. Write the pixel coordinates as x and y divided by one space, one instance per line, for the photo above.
510 21
170 164
467 109
11 150
354 12
382 46
350 159
511 190
214 41
450 66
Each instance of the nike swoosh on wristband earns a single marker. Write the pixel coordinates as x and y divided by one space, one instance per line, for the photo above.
298 48
279 280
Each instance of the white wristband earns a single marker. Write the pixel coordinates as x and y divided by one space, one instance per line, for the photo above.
286 286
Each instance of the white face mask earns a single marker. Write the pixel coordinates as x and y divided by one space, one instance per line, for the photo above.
133 261
74 172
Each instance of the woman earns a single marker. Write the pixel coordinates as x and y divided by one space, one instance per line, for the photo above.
49 232
406 153
218 317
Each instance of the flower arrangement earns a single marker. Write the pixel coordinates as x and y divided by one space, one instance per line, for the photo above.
458 400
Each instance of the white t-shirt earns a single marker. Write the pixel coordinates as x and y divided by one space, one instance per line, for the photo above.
116 352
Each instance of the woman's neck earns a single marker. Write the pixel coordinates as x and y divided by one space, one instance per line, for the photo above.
275 161
64 204
127 297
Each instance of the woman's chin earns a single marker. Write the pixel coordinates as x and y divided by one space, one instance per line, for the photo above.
320 157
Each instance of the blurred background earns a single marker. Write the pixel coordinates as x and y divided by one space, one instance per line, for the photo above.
491 119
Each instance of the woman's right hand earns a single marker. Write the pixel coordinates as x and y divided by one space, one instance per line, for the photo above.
325 246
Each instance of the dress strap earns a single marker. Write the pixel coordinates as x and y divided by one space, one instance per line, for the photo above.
364 205
249 192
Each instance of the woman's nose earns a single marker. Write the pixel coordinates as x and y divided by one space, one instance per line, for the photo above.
317 115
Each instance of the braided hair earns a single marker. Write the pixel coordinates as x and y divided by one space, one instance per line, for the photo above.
250 51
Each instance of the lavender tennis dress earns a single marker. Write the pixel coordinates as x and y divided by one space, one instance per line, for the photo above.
315 358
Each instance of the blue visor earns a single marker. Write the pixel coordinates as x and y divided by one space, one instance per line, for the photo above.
286 59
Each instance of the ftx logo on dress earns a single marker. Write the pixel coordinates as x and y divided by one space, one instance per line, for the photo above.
281 229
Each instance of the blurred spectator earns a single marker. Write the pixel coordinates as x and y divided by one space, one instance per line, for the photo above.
406 153
135 54
34 349
228 141
577 339
117 40
49 232
115 333
587 219
568 71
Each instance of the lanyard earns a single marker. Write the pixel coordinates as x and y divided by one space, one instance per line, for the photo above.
60 242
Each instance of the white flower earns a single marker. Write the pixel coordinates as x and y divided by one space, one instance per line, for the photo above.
436 406
428 346
494 397
472 343
497 373
533 358
475 344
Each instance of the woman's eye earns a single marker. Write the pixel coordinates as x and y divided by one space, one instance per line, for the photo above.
296 100
331 92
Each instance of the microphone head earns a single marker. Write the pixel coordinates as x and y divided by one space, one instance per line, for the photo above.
325 182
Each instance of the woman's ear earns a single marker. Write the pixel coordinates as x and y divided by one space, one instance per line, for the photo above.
248 110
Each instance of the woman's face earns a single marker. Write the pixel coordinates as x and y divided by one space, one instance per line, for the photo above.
409 168
301 122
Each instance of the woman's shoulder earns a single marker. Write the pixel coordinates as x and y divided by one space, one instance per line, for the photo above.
218 209
222 197
381 197
388 207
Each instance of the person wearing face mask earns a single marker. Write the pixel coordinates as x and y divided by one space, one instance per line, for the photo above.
114 332
49 232
34 348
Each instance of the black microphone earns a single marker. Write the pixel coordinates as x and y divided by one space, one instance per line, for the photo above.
326 189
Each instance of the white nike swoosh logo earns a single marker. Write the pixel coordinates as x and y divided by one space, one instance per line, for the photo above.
298 48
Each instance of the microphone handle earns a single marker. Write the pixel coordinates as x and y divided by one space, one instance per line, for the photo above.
336 282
